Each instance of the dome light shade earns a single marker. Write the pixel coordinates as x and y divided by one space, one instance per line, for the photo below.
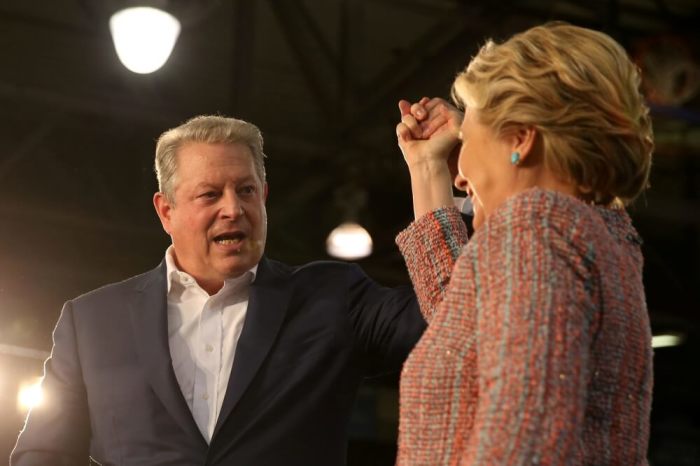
144 37
349 241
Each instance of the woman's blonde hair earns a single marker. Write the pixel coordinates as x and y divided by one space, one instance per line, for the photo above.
210 129
580 91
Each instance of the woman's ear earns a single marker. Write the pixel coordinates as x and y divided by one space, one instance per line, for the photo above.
524 139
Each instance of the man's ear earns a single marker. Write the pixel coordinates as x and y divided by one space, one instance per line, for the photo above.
265 191
163 208
524 140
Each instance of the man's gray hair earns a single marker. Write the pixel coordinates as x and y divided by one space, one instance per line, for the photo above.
210 129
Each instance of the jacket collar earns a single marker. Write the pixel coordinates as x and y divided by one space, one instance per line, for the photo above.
149 319
267 306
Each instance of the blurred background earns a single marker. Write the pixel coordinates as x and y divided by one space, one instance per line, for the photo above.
321 78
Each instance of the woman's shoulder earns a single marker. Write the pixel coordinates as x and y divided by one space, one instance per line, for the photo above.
540 208
556 220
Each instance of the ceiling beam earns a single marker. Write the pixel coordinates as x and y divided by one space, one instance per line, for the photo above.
304 38
244 20
28 146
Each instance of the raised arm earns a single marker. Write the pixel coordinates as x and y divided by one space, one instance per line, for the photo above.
428 138
430 246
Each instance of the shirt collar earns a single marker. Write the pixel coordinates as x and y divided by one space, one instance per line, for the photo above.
175 275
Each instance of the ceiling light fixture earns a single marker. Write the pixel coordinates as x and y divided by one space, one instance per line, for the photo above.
144 37
667 339
349 241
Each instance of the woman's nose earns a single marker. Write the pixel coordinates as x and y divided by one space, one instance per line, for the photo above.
461 182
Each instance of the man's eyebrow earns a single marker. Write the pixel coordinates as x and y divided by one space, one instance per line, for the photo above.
203 184
246 179
210 184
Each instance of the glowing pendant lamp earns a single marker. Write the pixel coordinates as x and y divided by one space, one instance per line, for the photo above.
144 37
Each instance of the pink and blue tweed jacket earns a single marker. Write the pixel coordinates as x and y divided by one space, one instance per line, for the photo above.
538 349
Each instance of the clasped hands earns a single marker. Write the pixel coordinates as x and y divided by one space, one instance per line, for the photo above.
429 132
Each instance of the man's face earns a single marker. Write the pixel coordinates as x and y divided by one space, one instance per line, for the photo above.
217 221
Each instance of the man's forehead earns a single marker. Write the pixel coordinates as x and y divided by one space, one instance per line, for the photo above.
214 177
217 178
198 148
204 157
206 163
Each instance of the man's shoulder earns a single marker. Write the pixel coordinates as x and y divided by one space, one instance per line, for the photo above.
122 288
312 268
316 273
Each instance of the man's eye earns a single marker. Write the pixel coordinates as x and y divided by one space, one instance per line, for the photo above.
208 195
247 189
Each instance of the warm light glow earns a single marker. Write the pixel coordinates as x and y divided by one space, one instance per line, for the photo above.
661 341
349 241
30 395
144 37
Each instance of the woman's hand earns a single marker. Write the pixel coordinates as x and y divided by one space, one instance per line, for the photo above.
428 131
428 135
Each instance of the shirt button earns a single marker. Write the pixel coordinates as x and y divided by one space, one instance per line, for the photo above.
209 348
205 397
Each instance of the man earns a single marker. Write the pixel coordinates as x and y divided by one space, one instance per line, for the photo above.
219 356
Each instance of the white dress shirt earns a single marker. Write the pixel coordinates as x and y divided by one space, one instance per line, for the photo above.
203 332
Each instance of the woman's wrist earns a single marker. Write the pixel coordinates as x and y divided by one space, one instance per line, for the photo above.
428 167
431 185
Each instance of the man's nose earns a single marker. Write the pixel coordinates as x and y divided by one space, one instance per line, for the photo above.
231 206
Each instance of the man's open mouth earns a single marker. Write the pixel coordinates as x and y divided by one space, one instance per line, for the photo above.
228 239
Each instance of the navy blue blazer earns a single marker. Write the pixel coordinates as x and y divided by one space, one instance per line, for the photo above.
311 334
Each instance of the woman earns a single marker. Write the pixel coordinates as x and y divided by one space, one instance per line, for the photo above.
538 349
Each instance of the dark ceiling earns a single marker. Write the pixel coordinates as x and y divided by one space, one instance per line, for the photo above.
321 78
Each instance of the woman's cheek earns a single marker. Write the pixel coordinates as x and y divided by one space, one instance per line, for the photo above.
478 218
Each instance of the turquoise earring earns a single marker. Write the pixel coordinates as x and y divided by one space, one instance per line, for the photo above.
515 158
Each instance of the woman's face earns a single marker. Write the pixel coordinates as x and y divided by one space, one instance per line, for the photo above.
484 167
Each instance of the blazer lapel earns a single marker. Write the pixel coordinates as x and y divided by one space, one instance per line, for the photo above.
267 306
149 318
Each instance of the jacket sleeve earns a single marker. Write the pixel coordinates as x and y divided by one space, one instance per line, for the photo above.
533 338
430 247
387 322
57 432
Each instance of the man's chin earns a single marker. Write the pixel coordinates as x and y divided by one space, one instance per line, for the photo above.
232 267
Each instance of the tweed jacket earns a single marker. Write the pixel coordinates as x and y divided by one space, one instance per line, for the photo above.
538 349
